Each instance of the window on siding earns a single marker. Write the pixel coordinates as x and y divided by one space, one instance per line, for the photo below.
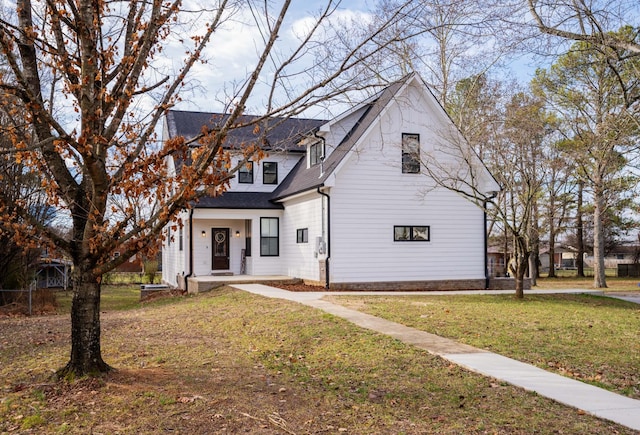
247 238
245 173
269 239
316 152
302 235
269 173
411 233
410 153
181 238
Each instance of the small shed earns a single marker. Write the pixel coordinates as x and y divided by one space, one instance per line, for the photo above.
53 273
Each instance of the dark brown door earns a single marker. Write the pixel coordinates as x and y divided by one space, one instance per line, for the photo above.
220 248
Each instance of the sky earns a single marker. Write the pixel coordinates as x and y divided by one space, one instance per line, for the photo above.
232 55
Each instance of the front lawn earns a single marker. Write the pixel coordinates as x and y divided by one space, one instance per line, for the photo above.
232 362
591 338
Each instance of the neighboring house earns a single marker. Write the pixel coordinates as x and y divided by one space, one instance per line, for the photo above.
565 257
343 203
624 253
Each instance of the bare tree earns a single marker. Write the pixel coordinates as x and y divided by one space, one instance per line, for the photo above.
601 128
91 79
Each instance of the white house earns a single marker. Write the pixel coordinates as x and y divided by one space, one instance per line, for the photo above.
344 203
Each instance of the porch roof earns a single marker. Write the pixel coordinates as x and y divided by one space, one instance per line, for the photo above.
240 200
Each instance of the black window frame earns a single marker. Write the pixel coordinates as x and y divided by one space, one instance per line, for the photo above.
302 235
244 172
410 157
268 252
316 153
271 172
411 233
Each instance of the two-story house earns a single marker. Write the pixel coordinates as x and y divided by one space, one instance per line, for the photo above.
344 203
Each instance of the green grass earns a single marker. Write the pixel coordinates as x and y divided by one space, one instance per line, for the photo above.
232 362
113 298
591 338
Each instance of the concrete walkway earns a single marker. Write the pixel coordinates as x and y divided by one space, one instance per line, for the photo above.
593 400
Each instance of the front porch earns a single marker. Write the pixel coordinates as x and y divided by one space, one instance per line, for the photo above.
198 284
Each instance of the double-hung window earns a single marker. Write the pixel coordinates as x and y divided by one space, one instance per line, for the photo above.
245 173
269 173
269 237
410 153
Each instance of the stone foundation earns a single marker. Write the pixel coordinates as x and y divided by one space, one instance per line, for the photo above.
441 285
500 283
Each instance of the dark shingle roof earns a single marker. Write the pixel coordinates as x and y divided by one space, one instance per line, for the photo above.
239 200
281 133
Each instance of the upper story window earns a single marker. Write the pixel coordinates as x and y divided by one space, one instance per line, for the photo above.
410 153
245 173
269 173
316 152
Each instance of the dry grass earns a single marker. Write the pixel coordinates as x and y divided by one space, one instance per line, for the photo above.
231 362
569 282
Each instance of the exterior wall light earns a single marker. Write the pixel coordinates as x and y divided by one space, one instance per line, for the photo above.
204 233
237 233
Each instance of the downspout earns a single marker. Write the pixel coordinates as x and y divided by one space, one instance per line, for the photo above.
486 247
186 278
326 261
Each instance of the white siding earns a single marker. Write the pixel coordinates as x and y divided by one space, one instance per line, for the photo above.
372 195
301 259
285 161
206 219
174 259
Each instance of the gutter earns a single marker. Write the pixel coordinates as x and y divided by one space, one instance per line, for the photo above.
327 259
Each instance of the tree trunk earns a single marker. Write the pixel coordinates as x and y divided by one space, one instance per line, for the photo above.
521 259
86 355
599 278
552 258
580 233
552 240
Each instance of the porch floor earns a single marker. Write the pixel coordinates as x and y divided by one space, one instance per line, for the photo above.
204 283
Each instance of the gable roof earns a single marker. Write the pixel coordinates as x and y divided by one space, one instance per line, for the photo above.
281 133
302 179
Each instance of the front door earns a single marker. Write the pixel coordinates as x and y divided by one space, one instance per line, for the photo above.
220 248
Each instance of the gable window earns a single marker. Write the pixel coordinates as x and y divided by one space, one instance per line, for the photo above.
316 153
245 173
302 235
269 239
410 153
269 173
411 233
